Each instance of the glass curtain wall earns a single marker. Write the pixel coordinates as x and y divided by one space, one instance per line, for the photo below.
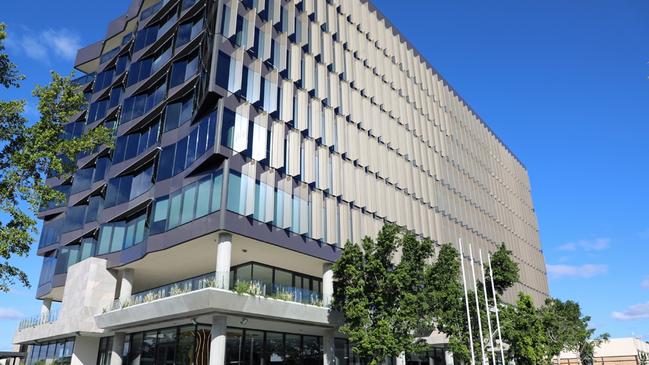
190 345
56 352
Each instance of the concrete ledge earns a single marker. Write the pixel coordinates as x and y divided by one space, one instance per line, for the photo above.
57 329
212 300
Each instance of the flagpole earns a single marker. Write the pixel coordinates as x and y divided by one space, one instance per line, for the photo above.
466 301
486 304
493 291
477 306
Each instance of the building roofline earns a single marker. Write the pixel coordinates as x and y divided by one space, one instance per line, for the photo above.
136 4
410 45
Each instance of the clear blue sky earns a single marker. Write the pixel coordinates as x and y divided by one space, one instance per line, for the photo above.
563 83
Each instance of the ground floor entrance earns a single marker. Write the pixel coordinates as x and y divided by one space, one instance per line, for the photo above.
190 345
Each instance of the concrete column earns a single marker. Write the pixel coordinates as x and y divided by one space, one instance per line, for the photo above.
46 306
118 348
328 347
126 285
85 350
448 357
223 259
327 284
217 345
401 359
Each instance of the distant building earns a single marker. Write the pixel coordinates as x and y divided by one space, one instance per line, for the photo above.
617 351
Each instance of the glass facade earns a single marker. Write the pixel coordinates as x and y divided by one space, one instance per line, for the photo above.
302 117
432 356
278 283
191 202
186 345
56 352
190 344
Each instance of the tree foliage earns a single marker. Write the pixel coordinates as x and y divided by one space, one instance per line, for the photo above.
537 335
505 270
28 153
386 304
446 297
9 75
524 332
383 302
564 325
588 344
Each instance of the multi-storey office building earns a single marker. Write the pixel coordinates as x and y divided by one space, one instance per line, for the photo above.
253 139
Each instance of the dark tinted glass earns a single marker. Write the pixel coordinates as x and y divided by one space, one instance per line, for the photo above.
223 70
181 153
166 162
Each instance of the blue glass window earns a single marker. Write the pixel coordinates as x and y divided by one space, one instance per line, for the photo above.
223 70
139 71
103 80
131 145
138 105
183 70
116 236
227 128
166 162
179 113
145 37
82 180
125 188
188 31
115 97
176 158
97 110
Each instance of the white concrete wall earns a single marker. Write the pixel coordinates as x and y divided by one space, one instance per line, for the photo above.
85 350
89 288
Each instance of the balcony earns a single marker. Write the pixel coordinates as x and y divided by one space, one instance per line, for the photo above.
83 80
253 288
205 301
38 320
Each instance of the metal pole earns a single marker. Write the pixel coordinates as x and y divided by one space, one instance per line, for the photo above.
477 306
493 291
466 301
486 304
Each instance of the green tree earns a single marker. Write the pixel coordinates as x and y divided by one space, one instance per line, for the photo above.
446 298
524 331
588 345
505 270
563 325
567 329
9 75
383 302
31 151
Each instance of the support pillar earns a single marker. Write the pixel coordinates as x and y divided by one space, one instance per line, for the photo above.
118 349
328 347
223 259
327 284
401 359
85 350
126 285
217 344
46 307
448 357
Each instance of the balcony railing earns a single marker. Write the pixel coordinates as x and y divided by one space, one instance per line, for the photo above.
83 79
217 280
108 55
37 320
152 9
